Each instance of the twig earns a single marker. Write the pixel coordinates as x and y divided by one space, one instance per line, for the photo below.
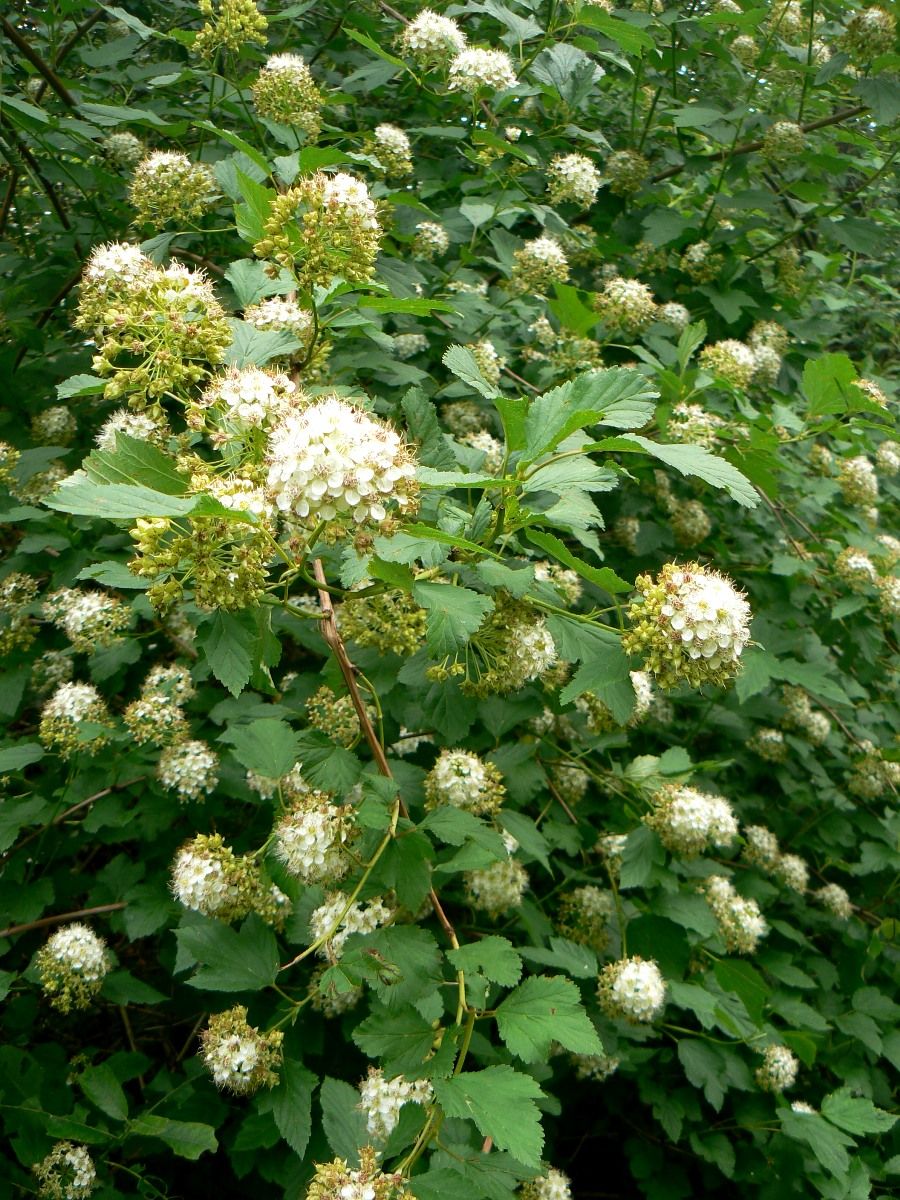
60 917
519 379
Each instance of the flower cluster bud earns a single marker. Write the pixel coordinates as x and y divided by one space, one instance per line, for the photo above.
800 716
596 1067
337 1180
474 70
123 149
72 965
239 1057
512 647
333 459
700 262
769 744
779 1069
745 49
689 522
626 171
431 40
209 878
392 622
674 314
75 718
730 361
325 225
331 925
18 592
381 1100
584 916
741 924
573 177
167 187
689 624
626 306
782 142
463 780
836 900
391 147
538 265
632 989
285 91
872 774
889 597
230 25
870 33
334 715
497 889
858 482
312 838
67 1173
689 822
768 333
91 620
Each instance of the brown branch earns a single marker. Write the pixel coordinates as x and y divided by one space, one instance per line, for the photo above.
519 379
834 118
60 917
6 207
48 74
28 158
336 645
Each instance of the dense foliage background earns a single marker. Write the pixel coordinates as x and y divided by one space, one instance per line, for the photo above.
677 348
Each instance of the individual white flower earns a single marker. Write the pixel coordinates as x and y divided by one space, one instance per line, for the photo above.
250 398
431 39
793 872
72 964
311 839
573 177
836 899
498 888
674 314
475 68
381 1100
740 921
632 989
190 768
67 1173
464 780
136 425
689 822
779 1069
333 459
690 624
327 923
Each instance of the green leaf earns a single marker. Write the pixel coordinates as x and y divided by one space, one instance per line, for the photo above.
371 44
501 1102
542 1010
413 307
290 1103
702 1064
252 347
403 1039
250 281
461 361
269 746
603 577
453 615
227 643
827 384
604 670
187 1139
494 957
576 960
694 460
114 575
619 397
14 758
746 982
124 502
856 1114
424 427
244 960
80 385
631 39
342 1119
238 143
103 1089
828 1144
643 851
137 462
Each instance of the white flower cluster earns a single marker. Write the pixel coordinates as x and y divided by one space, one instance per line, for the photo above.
856 569
475 68
800 715
761 847
72 706
632 989
250 398
431 39
689 822
393 148
239 1057
408 345
573 177
836 899
311 839
692 423
55 426
555 1185
858 482
67 1173
431 239
123 148
769 744
74 701
351 196
596 1067
730 360
530 651
887 458
382 1099
77 948
674 314
116 266
498 888
463 780
779 1069
139 426
281 313
291 786
190 768
538 264
333 459
626 306
740 921
232 1061
90 620
326 922
793 872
